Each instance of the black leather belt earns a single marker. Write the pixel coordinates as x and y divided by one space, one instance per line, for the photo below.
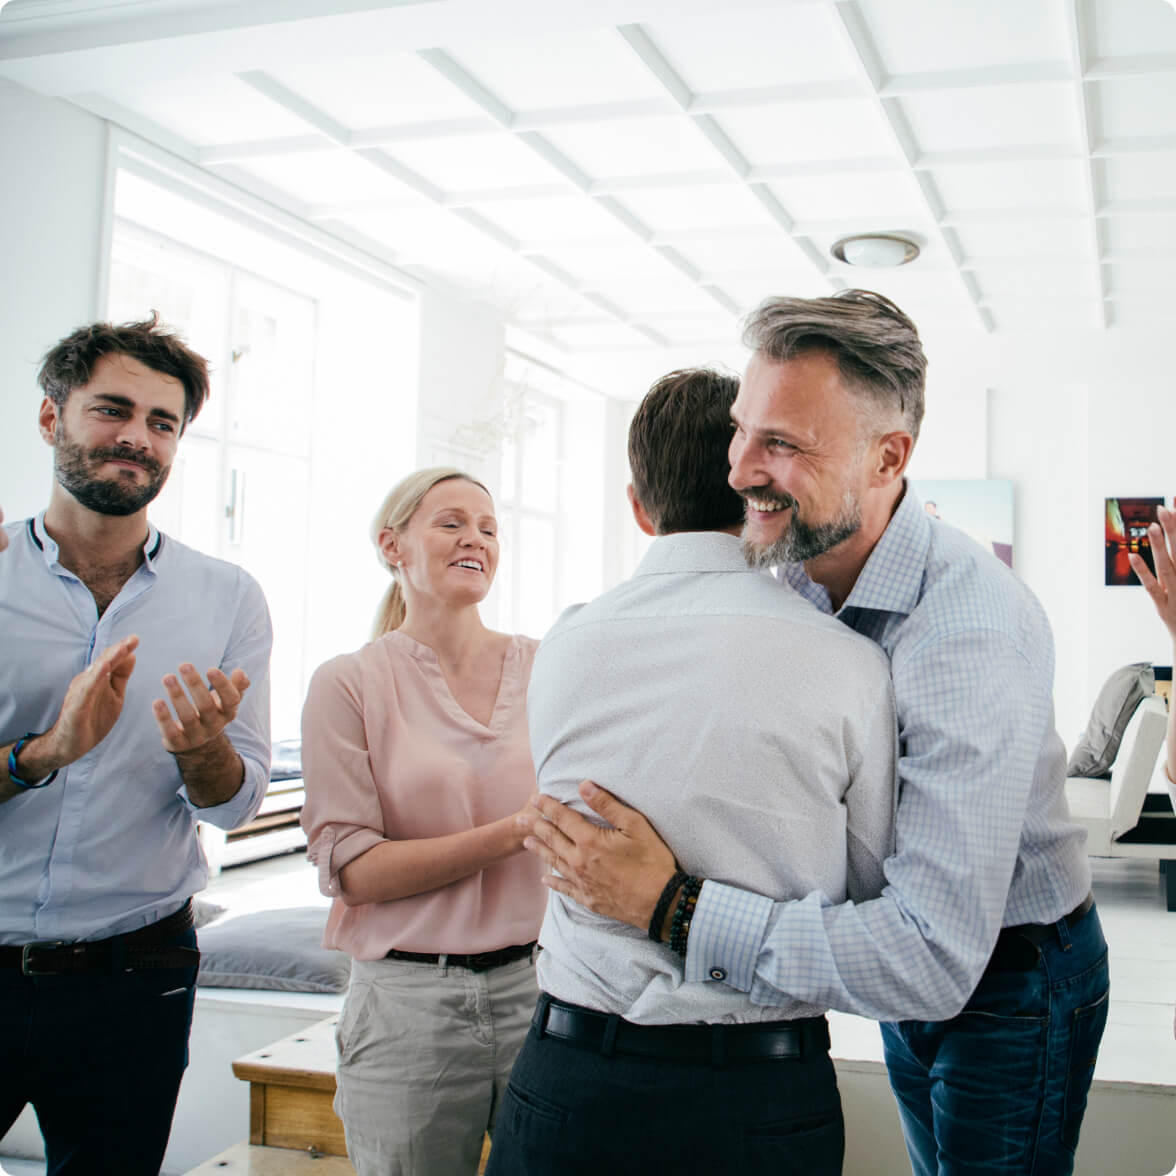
136 949
715 1044
479 962
1016 947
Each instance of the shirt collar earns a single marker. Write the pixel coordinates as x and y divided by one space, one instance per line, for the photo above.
47 545
693 551
892 577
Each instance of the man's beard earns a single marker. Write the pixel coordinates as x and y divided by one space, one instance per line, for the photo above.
802 541
73 467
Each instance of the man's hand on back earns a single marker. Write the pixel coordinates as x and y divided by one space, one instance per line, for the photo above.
617 871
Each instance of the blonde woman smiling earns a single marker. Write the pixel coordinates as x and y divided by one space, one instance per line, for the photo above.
416 759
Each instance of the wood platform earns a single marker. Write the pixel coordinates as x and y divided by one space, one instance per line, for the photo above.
293 1127
291 1091
247 1160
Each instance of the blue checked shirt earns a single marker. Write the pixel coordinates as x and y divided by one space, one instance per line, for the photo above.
983 836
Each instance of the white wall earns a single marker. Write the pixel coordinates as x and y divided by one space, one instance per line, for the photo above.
1074 419
1070 419
51 204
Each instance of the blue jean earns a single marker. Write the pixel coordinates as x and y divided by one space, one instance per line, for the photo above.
1001 1088
100 1056
571 1111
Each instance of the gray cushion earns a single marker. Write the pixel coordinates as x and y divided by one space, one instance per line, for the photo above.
272 949
1124 690
205 912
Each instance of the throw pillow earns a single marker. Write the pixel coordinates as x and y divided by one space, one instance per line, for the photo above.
1124 690
279 950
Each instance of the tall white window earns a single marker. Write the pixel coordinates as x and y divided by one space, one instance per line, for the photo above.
529 509
239 486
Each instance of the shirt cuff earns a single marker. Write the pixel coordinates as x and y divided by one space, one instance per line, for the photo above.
242 806
725 935
332 850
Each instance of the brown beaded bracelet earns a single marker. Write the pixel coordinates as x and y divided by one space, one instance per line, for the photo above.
683 914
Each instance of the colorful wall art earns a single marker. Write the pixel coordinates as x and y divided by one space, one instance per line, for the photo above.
980 507
1127 520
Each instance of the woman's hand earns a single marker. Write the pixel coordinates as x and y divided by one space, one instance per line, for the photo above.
1162 589
1162 586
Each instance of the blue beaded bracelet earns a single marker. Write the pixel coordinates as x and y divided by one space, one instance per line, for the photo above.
12 773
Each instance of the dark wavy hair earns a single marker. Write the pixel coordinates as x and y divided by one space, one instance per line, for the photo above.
678 442
70 364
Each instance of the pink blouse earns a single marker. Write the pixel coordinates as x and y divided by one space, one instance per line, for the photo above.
388 754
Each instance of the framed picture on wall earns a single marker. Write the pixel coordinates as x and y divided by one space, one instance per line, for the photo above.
980 507
1126 524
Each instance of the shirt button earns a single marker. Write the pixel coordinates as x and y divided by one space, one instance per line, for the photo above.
718 973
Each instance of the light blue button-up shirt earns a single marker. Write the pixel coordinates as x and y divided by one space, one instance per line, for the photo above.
110 845
983 836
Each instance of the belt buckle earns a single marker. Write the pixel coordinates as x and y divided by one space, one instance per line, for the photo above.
26 960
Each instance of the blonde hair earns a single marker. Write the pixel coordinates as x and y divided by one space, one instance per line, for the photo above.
394 514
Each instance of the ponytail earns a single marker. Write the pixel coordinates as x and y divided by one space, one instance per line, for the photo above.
390 614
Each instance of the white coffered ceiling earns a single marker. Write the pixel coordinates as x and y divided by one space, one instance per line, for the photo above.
631 173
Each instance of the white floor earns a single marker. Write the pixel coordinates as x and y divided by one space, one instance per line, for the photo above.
286 881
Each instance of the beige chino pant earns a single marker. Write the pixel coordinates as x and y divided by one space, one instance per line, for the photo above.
425 1052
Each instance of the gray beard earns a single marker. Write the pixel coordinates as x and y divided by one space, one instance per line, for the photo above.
802 542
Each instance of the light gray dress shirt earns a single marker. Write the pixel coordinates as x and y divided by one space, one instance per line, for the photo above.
755 733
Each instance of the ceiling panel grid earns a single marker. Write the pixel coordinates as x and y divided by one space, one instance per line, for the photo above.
633 174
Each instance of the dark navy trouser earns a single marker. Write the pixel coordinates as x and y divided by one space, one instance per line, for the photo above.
100 1057
571 1111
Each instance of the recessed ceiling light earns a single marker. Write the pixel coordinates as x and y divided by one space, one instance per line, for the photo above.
875 250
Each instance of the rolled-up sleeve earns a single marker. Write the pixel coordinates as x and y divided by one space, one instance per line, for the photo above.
342 814
249 646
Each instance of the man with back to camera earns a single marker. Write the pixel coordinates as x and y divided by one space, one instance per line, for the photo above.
985 948
100 784
742 720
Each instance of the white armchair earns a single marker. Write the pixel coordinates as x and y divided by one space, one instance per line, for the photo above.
1113 810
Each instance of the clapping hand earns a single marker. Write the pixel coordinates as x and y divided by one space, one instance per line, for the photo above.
202 711
92 704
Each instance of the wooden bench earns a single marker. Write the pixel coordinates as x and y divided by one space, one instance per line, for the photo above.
291 1091
247 1160
293 1127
